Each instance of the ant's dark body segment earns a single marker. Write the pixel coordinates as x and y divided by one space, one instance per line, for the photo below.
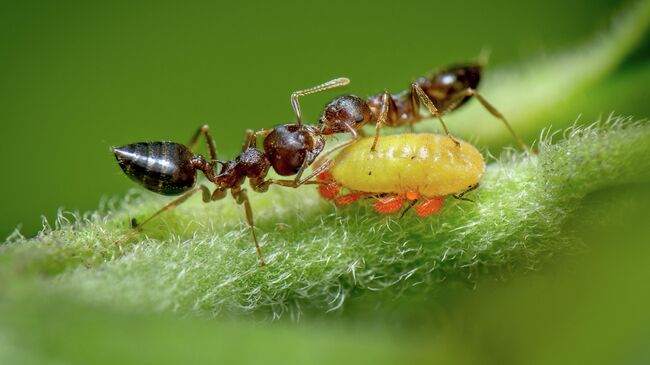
170 168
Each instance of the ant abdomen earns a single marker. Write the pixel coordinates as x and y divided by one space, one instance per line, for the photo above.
442 86
163 167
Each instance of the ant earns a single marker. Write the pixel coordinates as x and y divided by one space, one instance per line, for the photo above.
170 168
441 92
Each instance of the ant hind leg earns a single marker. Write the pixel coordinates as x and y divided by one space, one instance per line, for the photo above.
383 114
242 198
469 92
424 98
205 130
169 206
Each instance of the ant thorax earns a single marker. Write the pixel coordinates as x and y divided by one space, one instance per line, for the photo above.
251 163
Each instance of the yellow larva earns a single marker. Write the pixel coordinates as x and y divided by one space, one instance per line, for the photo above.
428 164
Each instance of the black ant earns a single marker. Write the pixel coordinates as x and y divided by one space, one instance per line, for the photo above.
440 92
170 168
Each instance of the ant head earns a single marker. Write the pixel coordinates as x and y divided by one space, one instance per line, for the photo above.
289 145
343 113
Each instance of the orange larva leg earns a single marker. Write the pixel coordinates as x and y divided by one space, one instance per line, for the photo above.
412 195
324 176
348 198
429 206
390 204
330 190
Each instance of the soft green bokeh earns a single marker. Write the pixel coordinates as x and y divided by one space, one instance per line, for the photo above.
78 77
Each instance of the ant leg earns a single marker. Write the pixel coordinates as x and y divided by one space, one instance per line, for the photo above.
250 140
264 132
342 81
264 185
424 98
317 171
383 113
498 115
355 136
241 197
471 92
460 196
205 130
171 205
250 137
219 193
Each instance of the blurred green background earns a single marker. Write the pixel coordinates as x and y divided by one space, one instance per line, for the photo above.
79 77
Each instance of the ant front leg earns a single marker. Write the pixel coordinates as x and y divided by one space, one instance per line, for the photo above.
171 205
469 92
250 138
262 186
424 98
342 81
324 157
383 113
205 130
242 198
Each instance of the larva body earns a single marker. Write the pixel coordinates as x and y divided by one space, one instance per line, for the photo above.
425 163
404 168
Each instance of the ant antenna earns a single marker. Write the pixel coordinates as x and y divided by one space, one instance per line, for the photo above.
341 81
484 56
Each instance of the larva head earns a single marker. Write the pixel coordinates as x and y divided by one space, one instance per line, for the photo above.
344 113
